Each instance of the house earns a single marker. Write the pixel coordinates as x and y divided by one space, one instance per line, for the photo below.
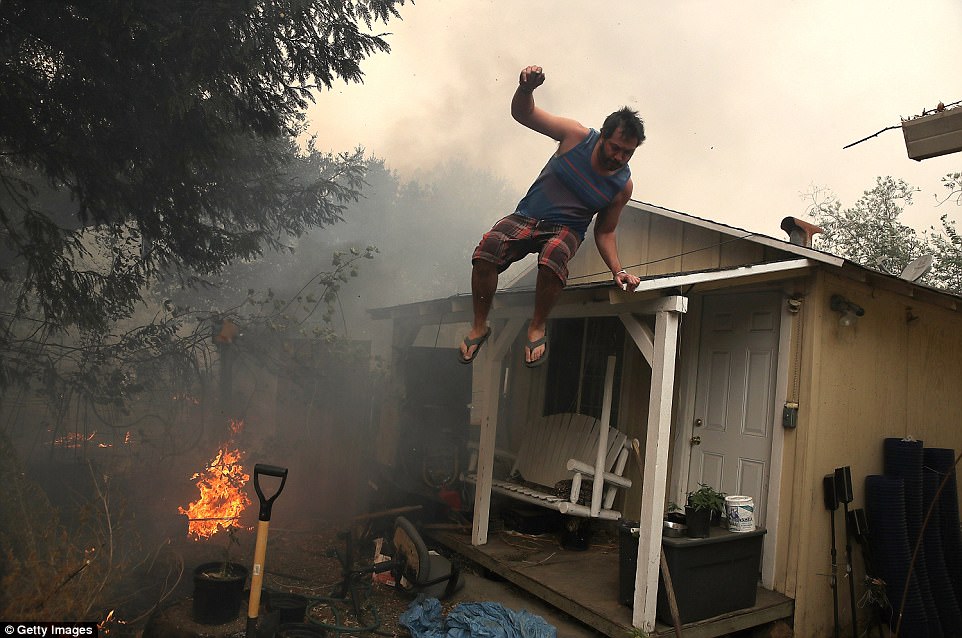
738 365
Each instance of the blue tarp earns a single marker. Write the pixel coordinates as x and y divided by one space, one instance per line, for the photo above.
473 620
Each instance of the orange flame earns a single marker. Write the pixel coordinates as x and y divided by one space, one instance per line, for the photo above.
103 624
222 497
74 439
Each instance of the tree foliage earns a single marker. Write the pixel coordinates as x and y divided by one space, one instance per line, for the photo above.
872 234
953 183
946 243
141 139
173 129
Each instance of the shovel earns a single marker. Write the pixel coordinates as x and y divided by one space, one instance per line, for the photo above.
844 494
260 545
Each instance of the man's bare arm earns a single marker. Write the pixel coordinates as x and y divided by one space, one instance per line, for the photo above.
606 242
564 130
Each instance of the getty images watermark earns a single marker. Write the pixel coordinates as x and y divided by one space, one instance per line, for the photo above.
48 629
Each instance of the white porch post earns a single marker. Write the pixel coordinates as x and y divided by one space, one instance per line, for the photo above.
656 469
488 366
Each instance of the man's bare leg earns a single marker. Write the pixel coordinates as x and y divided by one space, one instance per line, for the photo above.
547 289
484 283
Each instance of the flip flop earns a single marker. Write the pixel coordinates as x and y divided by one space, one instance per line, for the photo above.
543 341
477 341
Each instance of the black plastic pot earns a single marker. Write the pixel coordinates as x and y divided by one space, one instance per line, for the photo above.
698 521
300 630
290 607
576 533
716 518
217 597
676 517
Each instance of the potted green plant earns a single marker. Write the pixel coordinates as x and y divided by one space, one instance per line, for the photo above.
703 504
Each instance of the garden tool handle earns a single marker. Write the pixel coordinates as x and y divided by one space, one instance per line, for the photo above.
257 577
267 503
260 544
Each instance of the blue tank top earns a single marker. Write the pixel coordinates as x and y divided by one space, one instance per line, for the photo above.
569 191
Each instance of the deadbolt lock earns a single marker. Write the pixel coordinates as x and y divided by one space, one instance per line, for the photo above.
699 423
695 440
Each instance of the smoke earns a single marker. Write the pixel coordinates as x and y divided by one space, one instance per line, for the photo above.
424 229
746 105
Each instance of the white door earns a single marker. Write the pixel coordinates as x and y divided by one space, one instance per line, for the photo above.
731 441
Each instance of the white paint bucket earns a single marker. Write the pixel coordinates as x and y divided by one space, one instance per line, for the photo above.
741 513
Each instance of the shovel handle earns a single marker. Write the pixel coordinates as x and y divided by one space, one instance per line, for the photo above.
267 503
270 470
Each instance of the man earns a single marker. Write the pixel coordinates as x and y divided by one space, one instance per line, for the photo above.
588 175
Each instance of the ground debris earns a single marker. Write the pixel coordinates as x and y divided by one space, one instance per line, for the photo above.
304 562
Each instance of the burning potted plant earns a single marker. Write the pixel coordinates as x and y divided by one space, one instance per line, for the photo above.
219 587
703 504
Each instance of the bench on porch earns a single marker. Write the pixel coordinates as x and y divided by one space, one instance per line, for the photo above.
568 447
559 448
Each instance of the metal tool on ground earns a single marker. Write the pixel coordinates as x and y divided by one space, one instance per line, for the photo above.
831 504
260 545
844 494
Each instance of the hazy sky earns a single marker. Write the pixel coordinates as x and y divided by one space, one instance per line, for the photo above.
747 104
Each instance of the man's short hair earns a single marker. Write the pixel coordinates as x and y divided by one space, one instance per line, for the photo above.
627 119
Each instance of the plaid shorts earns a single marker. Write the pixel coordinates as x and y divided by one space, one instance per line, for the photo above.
515 236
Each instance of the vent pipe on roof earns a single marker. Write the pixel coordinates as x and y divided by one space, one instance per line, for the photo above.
800 232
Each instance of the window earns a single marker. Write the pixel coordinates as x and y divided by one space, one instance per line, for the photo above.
576 368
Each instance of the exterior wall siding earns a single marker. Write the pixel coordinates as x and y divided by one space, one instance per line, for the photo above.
895 373
651 245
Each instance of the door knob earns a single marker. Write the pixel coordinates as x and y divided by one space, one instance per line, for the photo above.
695 440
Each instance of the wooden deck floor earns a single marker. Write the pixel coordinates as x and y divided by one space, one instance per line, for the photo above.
584 584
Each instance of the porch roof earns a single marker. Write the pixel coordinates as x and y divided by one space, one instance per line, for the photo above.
605 298
599 297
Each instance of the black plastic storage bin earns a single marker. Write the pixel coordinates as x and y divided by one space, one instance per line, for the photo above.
711 576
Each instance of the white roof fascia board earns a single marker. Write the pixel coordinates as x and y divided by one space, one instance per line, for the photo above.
688 279
506 305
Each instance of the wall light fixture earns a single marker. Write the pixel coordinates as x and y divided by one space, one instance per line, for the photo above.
849 312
